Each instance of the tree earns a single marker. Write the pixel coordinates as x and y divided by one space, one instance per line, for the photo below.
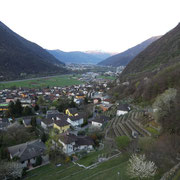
36 107
54 147
140 168
163 103
38 161
44 137
86 100
27 111
122 142
41 101
18 108
11 109
166 111
33 122
10 170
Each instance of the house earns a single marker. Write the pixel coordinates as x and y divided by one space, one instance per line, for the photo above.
105 107
47 123
27 122
77 120
96 100
52 113
122 109
60 123
3 107
78 101
99 121
4 123
72 112
80 96
72 143
28 152
105 101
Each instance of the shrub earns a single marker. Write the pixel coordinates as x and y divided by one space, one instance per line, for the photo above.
82 133
122 142
38 161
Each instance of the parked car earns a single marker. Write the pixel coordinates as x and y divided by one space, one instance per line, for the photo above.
58 165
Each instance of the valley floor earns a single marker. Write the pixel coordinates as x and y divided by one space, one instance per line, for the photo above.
51 81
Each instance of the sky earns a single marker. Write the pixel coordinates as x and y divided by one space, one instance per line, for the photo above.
81 25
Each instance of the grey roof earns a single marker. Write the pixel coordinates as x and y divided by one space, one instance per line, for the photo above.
52 113
48 121
84 141
73 110
68 138
75 118
105 118
27 150
61 123
123 107
4 125
98 120
27 122
62 117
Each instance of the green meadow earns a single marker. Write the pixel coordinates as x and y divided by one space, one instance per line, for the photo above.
62 80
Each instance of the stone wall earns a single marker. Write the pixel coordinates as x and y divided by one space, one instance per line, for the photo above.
168 175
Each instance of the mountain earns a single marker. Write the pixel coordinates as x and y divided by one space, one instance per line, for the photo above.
154 70
77 57
100 54
122 59
20 56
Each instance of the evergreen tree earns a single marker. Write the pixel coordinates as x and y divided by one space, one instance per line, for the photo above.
27 111
18 108
33 121
36 107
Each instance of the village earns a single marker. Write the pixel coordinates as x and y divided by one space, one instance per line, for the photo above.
65 124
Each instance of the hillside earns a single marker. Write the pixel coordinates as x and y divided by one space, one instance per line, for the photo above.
78 57
155 69
19 56
122 59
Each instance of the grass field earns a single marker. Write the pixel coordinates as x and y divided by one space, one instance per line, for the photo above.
153 131
114 169
91 158
63 80
107 170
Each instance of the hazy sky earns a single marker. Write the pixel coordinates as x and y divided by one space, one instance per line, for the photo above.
108 25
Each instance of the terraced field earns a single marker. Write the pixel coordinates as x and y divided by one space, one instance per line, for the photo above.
129 125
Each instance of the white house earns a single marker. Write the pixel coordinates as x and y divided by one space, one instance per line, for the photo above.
47 123
122 109
68 142
72 143
75 120
99 121
96 124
